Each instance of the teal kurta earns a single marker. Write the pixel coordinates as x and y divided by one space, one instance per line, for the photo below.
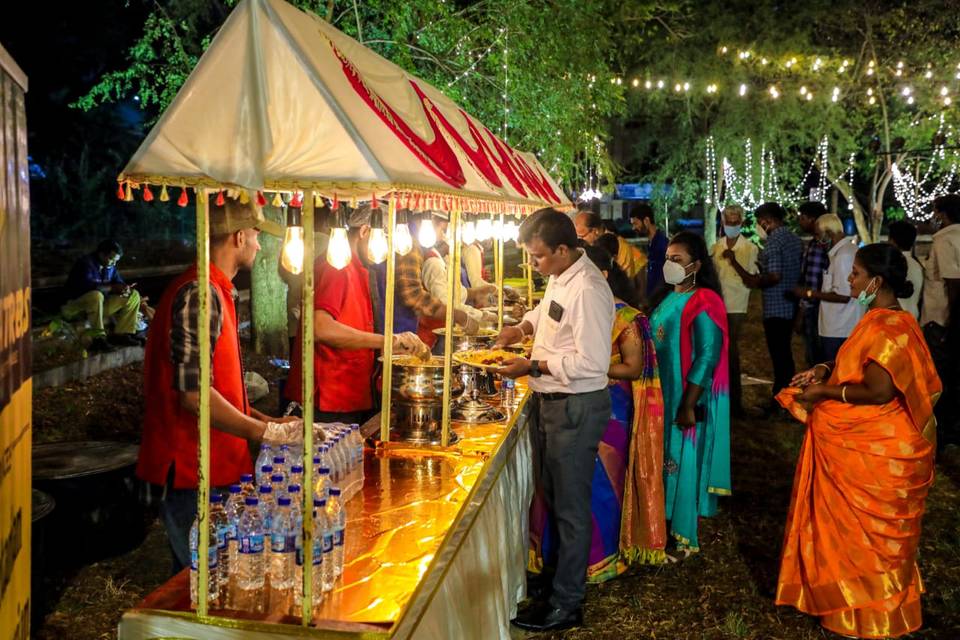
685 478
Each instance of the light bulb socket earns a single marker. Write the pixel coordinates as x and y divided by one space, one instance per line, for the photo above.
294 217
376 218
341 217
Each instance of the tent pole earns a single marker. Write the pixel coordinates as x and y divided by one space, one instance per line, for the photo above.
498 274
528 271
387 378
453 280
306 317
203 426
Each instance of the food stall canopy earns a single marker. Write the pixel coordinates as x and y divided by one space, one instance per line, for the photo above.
282 100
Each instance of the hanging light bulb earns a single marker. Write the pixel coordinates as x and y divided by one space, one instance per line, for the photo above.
469 232
338 249
291 256
427 236
402 240
497 228
377 242
484 229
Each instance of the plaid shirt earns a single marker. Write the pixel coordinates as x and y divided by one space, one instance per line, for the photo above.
410 289
815 262
185 334
782 255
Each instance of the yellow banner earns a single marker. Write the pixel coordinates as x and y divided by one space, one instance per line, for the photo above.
15 513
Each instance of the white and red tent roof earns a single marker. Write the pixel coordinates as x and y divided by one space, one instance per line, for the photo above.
282 100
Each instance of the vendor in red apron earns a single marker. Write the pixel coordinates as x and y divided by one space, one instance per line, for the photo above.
345 343
415 308
168 452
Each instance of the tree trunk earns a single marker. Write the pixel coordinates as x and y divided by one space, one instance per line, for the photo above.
268 293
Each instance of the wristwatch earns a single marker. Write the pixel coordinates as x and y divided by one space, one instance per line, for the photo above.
535 369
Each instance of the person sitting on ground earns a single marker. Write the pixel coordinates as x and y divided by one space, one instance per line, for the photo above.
903 235
96 291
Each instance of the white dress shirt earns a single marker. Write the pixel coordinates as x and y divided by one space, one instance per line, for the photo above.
434 276
736 295
576 347
942 263
915 277
837 319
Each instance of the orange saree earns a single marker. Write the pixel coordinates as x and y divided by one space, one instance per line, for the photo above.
850 548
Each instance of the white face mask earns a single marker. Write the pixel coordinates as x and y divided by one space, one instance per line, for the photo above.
674 272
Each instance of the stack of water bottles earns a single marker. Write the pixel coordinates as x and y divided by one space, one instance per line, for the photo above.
255 535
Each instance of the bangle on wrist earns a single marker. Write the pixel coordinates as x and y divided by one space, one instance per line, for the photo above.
843 393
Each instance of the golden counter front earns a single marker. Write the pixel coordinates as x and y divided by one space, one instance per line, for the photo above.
432 529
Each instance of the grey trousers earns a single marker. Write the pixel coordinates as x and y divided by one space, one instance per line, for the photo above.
565 441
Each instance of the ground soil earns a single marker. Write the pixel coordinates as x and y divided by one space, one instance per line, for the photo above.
724 592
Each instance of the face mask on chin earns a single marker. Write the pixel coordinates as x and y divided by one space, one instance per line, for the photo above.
866 299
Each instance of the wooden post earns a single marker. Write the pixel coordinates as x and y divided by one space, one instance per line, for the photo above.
203 426
306 318
453 281
388 322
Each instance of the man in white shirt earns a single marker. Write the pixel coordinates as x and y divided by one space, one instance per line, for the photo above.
903 235
568 373
940 316
736 294
839 313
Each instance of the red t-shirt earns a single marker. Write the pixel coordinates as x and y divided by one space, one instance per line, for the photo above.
342 376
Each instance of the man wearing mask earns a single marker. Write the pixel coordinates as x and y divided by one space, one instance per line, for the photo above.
345 343
779 274
641 218
736 295
568 374
171 377
839 313
940 316
814 263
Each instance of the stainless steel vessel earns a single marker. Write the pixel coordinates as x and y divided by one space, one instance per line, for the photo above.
416 414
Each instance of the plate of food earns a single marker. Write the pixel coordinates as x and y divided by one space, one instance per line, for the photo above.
487 359
458 332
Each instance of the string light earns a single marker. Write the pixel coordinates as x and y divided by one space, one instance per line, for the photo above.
774 93
743 90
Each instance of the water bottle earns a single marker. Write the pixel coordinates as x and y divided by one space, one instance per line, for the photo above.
247 488
296 500
213 583
263 459
280 468
250 569
508 391
283 552
322 525
295 456
296 475
321 486
266 506
233 509
319 529
358 444
338 524
220 524
263 475
323 455
279 485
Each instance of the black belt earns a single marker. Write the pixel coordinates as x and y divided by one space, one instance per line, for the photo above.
554 396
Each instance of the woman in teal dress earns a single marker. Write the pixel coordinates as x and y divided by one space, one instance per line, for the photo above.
689 325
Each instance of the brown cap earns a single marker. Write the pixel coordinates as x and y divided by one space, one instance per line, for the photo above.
233 216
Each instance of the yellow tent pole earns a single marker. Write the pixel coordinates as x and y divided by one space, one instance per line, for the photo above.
453 279
498 273
203 426
306 317
387 377
528 271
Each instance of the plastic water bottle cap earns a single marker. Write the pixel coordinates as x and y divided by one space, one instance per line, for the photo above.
296 469
316 460
246 477
276 478
266 469
355 426
251 501
266 447
319 502
216 498
235 488
284 501
334 491
265 488
294 488
278 460
284 447
324 470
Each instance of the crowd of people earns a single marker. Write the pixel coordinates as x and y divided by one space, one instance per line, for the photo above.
635 373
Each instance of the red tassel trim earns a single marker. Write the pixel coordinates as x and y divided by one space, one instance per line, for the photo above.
220 199
147 194
182 200
261 199
120 192
296 201
336 203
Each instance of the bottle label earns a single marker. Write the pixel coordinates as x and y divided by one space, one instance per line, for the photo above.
195 559
251 544
280 543
338 538
231 531
327 542
318 552
221 537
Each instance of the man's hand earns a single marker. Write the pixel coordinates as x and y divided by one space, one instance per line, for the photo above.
471 327
408 343
509 335
514 368
729 255
800 292
286 432
489 319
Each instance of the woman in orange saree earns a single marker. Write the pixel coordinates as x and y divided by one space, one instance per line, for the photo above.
850 548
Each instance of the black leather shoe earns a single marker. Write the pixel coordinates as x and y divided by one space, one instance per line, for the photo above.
539 587
548 618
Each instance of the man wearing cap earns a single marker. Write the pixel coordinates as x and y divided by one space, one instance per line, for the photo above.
168 453
344 336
